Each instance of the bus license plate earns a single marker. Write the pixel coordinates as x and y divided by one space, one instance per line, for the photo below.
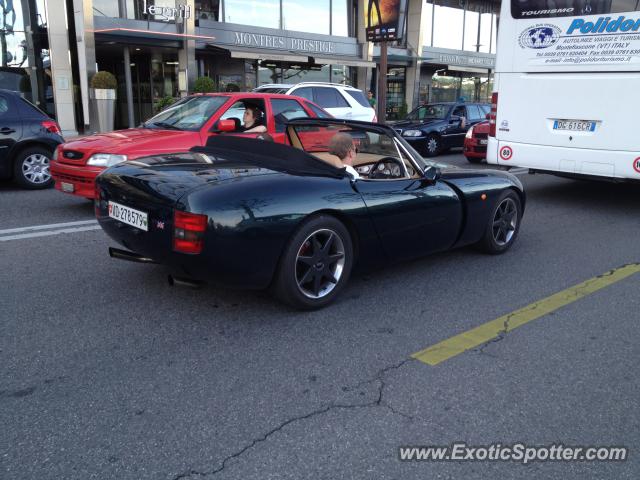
575 125
128 215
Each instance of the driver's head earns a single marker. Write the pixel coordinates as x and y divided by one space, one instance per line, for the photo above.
341 145
251 115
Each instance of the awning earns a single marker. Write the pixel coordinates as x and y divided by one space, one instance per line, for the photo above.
281 57
346 62
455 68
268 56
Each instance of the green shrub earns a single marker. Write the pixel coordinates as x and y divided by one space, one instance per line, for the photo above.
104 80
204 85
164 103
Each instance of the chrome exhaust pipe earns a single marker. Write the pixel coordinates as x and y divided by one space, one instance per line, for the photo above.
129 256
183 282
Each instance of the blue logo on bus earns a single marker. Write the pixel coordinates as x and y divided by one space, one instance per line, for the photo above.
540 36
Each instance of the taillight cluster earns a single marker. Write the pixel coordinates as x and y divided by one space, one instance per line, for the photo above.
188 231
51 127
493 114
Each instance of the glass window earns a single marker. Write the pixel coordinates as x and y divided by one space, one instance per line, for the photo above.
259 13
340 18
427 23
460 112
284 110
106 8
311 17
4 106
448 25
486 24
471 25
188 114
304 92
318 111
473 112
528 8
329 98
359 97
435 111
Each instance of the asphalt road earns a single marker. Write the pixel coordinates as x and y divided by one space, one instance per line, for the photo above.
107 372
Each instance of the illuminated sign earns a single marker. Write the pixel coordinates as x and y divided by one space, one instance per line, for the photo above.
167 13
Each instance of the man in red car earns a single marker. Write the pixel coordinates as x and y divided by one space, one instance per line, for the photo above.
185 124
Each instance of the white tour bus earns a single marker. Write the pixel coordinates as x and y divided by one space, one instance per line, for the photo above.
567 84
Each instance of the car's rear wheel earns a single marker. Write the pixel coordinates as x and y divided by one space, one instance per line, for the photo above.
316 264
31 168
433 146
503 225
473 159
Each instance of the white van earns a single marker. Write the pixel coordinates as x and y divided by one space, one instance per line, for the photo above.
566 87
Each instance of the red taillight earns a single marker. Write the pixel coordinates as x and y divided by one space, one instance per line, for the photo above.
188 232
493 114
51 127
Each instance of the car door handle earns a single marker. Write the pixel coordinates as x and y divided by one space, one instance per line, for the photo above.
6 130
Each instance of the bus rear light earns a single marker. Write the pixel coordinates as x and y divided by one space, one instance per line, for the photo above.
188 232
493 114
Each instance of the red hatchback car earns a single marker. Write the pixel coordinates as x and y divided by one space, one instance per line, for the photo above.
185 124
475 142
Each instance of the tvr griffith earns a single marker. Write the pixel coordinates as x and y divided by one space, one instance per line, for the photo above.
257 214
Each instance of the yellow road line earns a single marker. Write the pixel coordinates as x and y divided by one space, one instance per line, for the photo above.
458 344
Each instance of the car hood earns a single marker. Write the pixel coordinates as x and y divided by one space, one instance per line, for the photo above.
134 142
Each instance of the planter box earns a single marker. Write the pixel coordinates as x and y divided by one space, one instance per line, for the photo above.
103 102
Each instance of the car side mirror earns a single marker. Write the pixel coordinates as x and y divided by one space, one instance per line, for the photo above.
223 126
488 116
431 174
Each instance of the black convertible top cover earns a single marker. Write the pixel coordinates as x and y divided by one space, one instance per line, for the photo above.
267 154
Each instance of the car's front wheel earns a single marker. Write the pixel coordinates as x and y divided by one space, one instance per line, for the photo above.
503 225
31 168
316 264
433 146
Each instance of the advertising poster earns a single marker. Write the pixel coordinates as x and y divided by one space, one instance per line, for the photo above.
384 19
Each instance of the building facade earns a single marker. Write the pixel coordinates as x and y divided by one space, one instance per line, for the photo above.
157 49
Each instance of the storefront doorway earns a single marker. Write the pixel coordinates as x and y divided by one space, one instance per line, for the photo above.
154 76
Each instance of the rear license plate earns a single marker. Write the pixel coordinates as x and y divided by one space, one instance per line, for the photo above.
575 125
483 141
67 187
128 215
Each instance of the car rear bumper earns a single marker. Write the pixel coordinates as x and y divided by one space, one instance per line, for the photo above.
472 148
75 180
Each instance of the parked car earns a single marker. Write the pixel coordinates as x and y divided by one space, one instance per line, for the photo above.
436 127
28 138
341 101
253 214
185 124
475 142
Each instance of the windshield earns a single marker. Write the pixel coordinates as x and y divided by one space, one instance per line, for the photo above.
437 111
190 113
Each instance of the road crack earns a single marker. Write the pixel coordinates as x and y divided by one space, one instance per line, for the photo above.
377 402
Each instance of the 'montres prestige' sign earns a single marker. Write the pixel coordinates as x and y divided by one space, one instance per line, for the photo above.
167 13
283 43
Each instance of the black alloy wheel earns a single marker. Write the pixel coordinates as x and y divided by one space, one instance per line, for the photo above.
503 224
316 264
